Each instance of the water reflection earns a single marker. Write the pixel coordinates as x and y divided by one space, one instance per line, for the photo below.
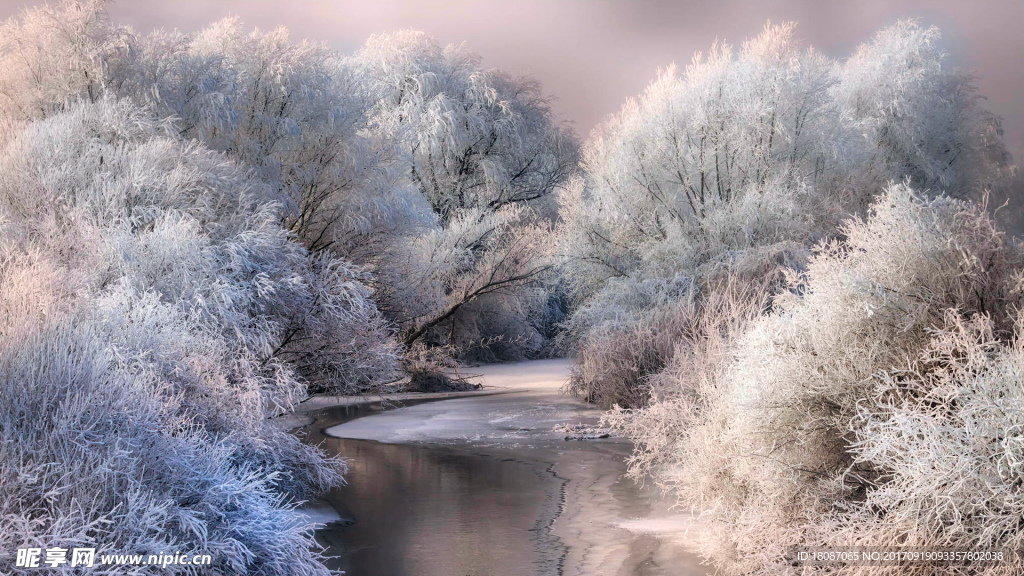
423 511
473 510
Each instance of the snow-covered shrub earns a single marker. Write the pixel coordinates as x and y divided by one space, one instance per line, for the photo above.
98 451
944 435
165 215
679 394
627 334
803 431
120 430
336 339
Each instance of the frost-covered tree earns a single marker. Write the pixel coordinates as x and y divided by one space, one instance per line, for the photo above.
486 156
54 54
914 118
192 232
287 111
728 166
478 138
750 156
731 154
293 111
773 141
156 311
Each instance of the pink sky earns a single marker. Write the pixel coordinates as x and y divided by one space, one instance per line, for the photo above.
593 54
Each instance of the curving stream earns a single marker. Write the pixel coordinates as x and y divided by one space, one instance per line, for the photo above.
482 486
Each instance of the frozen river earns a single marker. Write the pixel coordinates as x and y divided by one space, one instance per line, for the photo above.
482 486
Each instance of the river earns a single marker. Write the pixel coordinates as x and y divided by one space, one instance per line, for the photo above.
482 486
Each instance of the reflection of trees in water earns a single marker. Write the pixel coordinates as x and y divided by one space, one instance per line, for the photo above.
436 510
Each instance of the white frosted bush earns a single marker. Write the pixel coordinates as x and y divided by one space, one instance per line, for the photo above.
172 217
626 332
120 430
944 437
96 451
793 434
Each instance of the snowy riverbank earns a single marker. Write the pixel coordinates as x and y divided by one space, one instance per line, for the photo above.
519 402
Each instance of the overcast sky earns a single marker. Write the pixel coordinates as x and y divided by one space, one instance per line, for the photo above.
593 54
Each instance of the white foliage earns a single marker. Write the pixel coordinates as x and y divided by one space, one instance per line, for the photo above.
915 119
368 155
294 112
53 55
144 182
99 451
734 153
